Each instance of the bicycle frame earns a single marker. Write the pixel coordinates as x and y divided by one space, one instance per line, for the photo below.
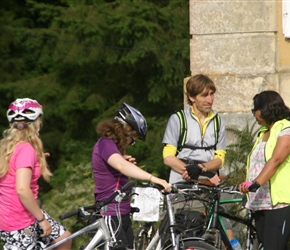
215 222
246 221
215 231
102 235
156 243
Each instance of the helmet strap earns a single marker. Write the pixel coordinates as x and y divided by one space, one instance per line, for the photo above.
21 126
132 139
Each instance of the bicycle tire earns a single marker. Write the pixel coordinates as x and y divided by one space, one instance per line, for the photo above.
189 244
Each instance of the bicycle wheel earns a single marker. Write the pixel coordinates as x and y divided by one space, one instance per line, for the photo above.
193 245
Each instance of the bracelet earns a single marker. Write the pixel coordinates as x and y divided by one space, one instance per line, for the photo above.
150 177
204 168
41 220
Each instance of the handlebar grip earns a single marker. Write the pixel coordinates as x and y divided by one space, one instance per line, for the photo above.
157 186
160 187
69 214
235 188
100 204
127 186
184 185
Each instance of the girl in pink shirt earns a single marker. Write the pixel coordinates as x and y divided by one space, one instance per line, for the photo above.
23 225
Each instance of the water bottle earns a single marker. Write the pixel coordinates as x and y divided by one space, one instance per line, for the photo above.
235 244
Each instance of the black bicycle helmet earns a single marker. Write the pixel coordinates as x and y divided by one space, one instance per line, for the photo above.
133 117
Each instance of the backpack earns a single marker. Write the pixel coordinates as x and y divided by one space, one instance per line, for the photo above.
183 132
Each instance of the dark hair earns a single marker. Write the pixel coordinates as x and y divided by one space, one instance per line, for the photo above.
196 84
116 131
272 106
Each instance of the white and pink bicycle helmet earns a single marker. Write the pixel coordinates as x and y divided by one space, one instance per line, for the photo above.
24 109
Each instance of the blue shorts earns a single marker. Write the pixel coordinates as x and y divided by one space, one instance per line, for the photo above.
29 238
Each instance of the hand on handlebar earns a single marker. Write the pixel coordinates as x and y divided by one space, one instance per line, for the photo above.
164 183
249 186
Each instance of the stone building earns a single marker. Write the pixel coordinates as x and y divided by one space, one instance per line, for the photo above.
243 46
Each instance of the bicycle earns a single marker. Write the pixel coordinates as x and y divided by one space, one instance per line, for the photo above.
143 235
214 234
149 202
102 235
167 236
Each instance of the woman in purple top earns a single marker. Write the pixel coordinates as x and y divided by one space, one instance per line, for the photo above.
112 169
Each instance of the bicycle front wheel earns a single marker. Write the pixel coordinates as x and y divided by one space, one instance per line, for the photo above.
193 245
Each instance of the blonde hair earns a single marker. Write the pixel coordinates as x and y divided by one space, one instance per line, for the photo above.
13 136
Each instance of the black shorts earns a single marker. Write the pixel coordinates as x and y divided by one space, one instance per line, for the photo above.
121 232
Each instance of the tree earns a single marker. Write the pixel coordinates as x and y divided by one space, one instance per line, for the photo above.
82 59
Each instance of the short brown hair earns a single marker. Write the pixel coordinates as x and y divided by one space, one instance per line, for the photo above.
196 84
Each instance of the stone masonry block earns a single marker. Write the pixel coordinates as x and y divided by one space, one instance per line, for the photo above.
235 93
228 16
233 54
285 88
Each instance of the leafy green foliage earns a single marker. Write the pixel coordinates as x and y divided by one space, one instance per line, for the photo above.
237 152
77 191
82 59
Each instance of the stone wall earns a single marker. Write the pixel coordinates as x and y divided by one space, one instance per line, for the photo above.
239 45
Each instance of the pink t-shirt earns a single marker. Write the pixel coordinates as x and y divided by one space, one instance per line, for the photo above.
13 215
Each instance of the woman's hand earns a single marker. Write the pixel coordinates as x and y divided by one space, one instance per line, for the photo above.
46 228
131 159
249 186
244 187
46 154
161 182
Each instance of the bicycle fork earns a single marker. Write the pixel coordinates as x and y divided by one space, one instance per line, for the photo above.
156 243
212 233
174 237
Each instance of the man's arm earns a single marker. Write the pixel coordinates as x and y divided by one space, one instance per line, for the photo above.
218 161
169 159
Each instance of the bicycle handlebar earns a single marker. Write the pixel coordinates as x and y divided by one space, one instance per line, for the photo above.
100 204
200 186
196 186
174 190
